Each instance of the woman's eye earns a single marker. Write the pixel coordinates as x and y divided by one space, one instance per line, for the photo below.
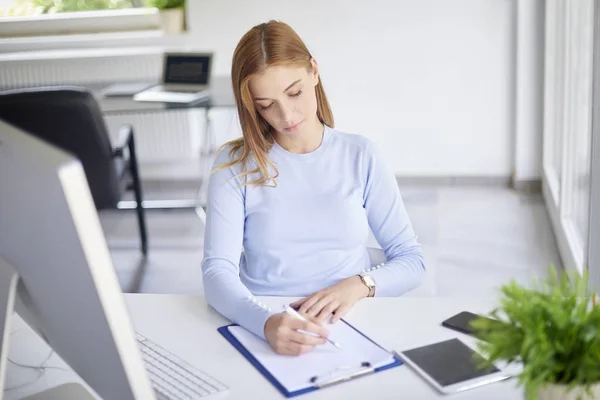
264 108
298 93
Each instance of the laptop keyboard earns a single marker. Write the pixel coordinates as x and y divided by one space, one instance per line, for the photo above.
173 378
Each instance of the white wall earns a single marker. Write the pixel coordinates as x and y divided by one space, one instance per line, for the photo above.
447 88
430 81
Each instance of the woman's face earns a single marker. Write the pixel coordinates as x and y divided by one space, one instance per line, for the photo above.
285 97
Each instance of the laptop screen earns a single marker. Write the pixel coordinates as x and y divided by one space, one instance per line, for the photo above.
187 69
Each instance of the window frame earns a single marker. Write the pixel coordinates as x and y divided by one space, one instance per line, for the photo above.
122 27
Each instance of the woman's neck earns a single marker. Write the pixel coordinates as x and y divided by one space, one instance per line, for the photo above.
306 141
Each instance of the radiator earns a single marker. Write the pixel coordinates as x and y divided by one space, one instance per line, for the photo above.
79 66
163 136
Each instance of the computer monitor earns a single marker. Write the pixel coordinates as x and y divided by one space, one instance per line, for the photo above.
187 68
67 291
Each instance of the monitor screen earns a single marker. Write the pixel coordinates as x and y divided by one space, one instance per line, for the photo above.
187 69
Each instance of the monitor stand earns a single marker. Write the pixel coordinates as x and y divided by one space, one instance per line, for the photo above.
8 291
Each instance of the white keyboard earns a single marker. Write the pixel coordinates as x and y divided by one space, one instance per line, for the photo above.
173 378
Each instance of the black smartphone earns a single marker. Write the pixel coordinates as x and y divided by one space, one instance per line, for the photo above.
461 322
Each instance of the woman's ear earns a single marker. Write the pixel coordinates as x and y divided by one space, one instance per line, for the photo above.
314 72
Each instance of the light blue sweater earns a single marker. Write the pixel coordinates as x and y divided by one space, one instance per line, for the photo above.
308 232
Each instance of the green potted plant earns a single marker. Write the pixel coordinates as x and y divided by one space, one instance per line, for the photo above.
171 14
553 329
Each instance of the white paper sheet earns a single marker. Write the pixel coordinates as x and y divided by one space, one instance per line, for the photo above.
324 361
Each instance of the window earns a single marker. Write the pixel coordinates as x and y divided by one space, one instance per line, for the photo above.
568 129
23 18
22 8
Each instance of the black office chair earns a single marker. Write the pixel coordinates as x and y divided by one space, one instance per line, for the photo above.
70 118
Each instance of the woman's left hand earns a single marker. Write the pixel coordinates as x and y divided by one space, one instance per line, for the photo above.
335 300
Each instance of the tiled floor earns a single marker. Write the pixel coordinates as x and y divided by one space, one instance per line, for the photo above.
474 238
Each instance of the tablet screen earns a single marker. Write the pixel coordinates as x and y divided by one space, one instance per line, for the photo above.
448 362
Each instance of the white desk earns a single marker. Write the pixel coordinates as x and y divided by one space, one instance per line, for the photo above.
186 325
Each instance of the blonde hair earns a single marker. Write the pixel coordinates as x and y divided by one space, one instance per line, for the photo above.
265 45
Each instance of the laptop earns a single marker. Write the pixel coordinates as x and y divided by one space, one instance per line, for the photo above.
185 78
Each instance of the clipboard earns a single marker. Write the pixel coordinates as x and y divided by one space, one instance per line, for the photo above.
363 369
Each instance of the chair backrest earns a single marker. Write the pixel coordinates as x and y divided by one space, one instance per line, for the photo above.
69 118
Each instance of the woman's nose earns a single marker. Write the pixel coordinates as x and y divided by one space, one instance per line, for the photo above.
287 112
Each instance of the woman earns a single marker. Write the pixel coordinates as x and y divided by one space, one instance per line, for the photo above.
299 198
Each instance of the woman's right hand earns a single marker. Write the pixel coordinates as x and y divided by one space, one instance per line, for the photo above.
281 331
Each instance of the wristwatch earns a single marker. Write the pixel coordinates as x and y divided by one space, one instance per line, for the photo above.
369 282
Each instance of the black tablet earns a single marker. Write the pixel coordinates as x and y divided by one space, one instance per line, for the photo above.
451 366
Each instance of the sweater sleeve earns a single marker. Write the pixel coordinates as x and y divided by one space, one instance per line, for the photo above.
223 242
391 226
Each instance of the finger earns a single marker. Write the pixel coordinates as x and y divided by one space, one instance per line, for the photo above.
298 303
341 312
280 346
328 310
309 302
309 326
295 349
306 326
318 306
305 338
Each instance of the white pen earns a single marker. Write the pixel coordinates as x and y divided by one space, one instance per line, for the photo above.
296 314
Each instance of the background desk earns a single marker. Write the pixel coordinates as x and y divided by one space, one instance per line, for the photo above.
170 133
163 129
165 119
186 325
221 95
